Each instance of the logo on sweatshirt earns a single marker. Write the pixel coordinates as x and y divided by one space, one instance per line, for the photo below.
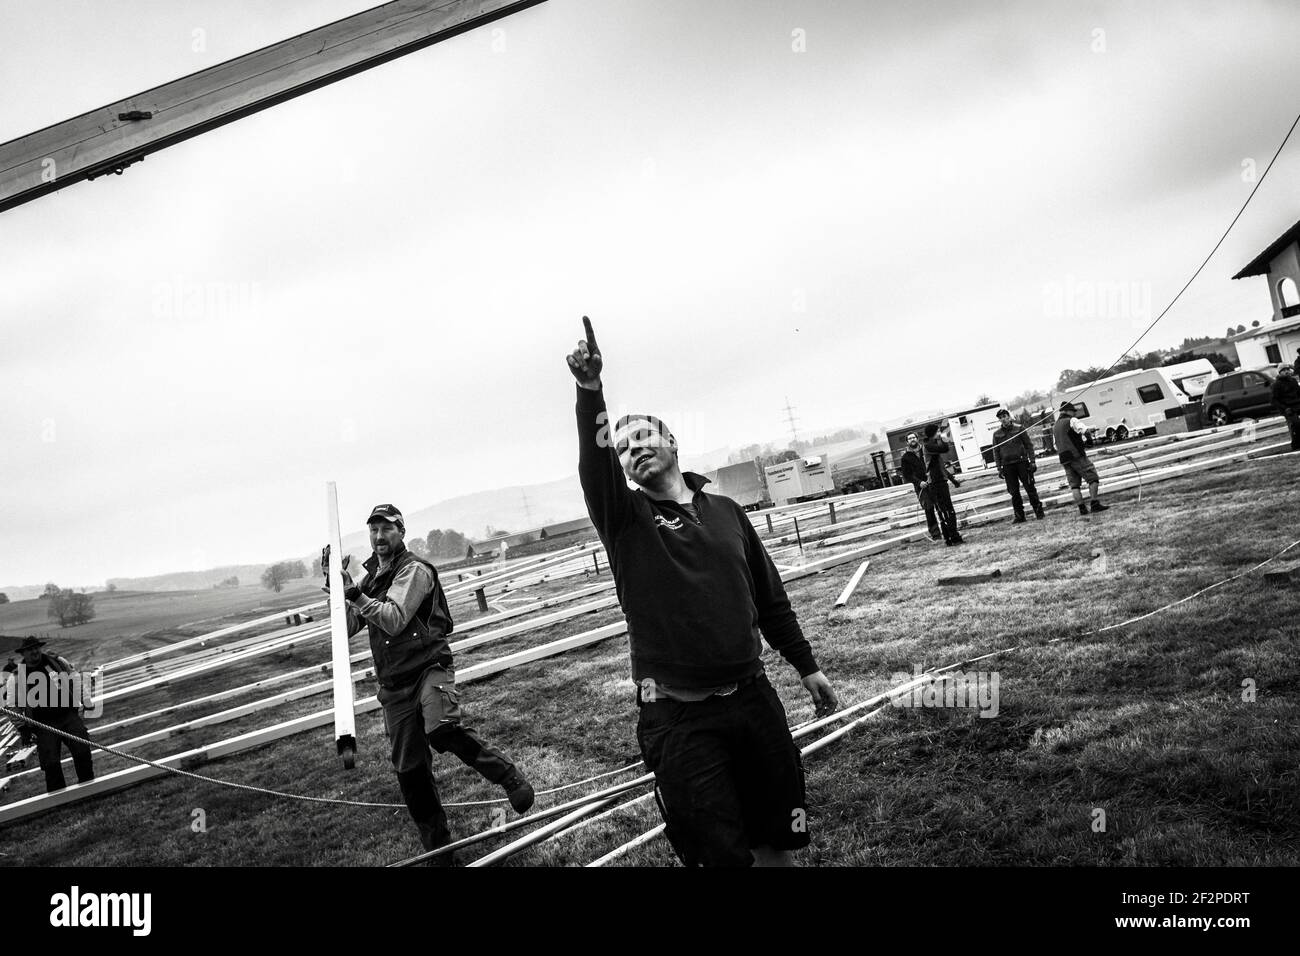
672 524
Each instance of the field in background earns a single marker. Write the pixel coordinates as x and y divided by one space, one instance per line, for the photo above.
1146 723
127 622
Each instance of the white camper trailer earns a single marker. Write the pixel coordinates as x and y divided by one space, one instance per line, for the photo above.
1130 403
795 480
972 437
1191 377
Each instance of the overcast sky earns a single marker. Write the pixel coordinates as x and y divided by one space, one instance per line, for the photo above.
376 283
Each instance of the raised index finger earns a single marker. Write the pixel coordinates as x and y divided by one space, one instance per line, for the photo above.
591 336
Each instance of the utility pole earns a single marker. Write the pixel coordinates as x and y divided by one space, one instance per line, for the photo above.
790 420
528 509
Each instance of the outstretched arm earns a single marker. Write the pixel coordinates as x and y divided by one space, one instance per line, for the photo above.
603 485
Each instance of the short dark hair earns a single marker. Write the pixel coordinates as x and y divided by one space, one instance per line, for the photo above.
931 430
1003 411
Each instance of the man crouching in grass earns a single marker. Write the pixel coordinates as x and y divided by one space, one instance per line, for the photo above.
697 588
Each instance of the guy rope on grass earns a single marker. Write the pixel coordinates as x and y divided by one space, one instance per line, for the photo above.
14 715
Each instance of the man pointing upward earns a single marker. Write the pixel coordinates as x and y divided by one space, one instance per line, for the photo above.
697 588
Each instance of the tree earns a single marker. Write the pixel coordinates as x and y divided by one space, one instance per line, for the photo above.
4 598
273 577
315 567
434 542
71 607
419 548
51 589
455 544
984 399
112 586
1240 329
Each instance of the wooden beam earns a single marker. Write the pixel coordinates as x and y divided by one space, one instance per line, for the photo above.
524 627
199 756
157 652
976 578
112 137
325 667
847 593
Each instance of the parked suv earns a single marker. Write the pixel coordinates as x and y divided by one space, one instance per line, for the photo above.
1245 393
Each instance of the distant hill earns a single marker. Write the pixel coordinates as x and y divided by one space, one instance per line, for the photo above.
515 508
191 580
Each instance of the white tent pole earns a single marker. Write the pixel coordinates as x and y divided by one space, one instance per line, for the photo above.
345 718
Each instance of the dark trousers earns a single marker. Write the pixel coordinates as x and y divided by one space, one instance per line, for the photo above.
923 499
1293 420
943 506
423 715
49 750
728 774
1017 473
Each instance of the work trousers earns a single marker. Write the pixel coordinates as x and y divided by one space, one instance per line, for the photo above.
423 715
1017 473
944 508
923 499
49 750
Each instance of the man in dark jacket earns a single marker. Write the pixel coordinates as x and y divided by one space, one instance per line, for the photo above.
913 468
936 447
45 688
1286 399
401 604
1013 451
697 588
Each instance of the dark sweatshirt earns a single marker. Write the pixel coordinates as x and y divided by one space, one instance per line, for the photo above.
1286 395
913 468
1012 444
697 590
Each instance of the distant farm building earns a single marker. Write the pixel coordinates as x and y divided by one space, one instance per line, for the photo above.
559 529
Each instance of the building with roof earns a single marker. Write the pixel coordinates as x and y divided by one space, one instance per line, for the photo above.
548 532
1277 340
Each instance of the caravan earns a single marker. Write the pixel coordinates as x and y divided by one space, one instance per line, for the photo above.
1130 403
1191 377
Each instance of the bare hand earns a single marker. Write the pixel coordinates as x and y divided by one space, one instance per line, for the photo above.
823 695
585 362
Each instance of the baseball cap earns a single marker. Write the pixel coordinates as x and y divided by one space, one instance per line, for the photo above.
1003 411
387 513
1065 405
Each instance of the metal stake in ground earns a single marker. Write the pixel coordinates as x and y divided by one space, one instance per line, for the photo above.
345 718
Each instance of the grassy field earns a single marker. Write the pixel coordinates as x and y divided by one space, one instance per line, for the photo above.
127 622
1146 723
